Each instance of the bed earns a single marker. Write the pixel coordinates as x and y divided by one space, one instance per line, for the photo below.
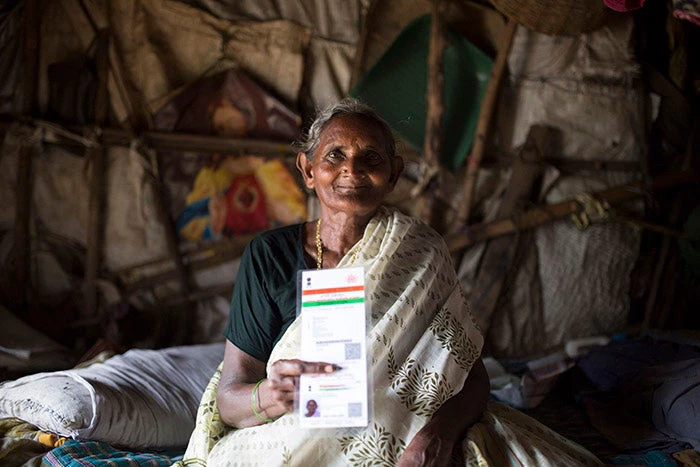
139 408
134 409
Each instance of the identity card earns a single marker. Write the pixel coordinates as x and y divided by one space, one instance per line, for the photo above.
333 330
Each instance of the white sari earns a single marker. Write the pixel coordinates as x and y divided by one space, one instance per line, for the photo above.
423 343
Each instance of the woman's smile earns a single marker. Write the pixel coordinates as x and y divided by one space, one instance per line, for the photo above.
351 187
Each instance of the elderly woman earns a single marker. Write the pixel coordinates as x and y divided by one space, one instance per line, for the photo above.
429 384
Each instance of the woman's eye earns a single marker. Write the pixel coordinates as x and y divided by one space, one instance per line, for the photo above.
374 158
334 156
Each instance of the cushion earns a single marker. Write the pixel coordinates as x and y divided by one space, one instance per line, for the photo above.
141 399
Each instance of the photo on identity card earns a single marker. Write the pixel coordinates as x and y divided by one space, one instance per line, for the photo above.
333 313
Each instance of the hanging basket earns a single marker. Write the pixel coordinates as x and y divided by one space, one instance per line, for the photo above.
556 17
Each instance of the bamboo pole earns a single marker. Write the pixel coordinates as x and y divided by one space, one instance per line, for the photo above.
362 45
97 157
499 253
551 212
488 105
656 312
22 234
171 236
32 22
155 272
98 180
161 140
435 109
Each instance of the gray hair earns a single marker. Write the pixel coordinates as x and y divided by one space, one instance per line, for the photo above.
348 106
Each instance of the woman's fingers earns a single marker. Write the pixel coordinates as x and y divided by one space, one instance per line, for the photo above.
284 377
284 398
299 367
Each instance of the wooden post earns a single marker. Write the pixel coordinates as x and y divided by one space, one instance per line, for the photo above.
97 158
95 229
498 256
362 45
32 22
664 276
22 234
488 105
435 108
171 235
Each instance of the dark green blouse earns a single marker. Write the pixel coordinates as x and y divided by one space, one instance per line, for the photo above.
264 296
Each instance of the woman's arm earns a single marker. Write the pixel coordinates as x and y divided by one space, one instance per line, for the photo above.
274 396
434 443
238 377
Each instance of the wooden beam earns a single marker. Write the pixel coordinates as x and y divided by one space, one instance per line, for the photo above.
156 272
361 45
95 229
190 142
97 158
499 253
22 234
435 108
654 317
32 23
102 64
483 126
664 277
543 214
171 235
165 141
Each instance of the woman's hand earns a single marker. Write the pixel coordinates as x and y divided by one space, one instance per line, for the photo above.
273 397
284 375
427 448
434 443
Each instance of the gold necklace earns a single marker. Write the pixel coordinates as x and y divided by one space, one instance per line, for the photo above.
319 248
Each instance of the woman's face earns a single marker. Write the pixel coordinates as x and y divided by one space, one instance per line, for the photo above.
351 170
311 406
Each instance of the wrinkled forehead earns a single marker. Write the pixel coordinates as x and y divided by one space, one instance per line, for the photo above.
354 127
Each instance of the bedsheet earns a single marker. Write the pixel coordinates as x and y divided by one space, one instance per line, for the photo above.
20 443
95 453
23 444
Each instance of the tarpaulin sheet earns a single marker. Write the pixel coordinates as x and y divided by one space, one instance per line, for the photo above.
567 283
158 46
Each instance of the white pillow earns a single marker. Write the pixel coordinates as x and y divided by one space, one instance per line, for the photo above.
141 399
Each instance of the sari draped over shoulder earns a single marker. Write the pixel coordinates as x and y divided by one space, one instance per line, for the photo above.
423 343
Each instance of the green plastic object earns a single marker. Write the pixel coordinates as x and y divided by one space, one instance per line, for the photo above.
396 88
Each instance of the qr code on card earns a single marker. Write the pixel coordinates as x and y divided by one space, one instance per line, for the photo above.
354 409
352 351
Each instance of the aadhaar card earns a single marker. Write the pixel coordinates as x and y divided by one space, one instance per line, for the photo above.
333 329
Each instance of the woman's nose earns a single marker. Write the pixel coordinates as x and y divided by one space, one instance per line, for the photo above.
353 166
